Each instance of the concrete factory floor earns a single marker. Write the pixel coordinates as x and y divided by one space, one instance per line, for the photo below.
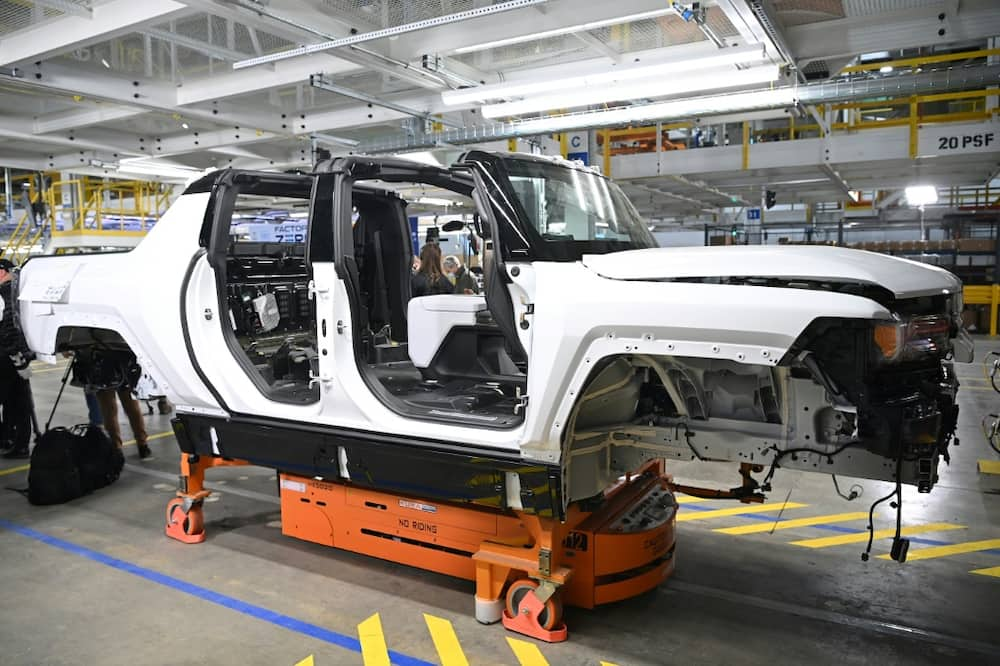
97 582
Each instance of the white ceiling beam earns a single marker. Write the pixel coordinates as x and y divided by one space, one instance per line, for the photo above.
888 31
245 81
149 95
89 115
108 20
22 129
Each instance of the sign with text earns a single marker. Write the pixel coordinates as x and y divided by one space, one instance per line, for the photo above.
578 146
753 214
958 139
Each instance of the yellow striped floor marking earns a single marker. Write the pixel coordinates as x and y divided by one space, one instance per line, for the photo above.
373 649
989 466
308 661
951 549
445 641
739 510
688 499
861 537
798 522
22 468
527 653
992 571
607 663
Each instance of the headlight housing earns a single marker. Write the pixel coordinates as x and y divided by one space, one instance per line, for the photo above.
913 338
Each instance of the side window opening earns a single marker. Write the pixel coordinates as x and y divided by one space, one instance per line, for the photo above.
428 343
271 324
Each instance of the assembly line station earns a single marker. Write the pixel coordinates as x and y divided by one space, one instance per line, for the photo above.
870 125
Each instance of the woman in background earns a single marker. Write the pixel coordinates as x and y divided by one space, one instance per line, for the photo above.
430 278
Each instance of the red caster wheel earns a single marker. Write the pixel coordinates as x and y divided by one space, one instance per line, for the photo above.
528 615
186 527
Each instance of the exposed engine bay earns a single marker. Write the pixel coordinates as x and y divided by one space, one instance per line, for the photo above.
853 397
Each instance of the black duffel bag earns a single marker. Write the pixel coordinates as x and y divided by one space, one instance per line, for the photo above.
67 463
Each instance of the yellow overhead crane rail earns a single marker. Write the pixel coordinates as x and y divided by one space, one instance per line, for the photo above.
99 208
918 61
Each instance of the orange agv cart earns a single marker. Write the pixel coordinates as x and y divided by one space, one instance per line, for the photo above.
525 567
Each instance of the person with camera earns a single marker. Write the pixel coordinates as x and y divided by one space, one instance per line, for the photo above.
15 370
112 376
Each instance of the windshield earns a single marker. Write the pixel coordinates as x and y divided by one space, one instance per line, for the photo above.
576 208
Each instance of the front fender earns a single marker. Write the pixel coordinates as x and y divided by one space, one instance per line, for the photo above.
581 318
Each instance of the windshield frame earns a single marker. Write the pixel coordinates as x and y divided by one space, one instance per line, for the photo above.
538 248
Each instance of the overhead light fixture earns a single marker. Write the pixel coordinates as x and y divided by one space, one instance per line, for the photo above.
682 108
105 63
336 140
921 195
434 201
580 27
885 69
422 156
146 166
636 90
185 126
733 56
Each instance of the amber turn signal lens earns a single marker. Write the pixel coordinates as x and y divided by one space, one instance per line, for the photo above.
887 339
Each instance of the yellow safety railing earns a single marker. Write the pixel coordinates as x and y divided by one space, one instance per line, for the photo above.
984 295
911 111
974 197
100 208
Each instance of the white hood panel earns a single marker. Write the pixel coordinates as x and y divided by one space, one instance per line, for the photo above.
904 278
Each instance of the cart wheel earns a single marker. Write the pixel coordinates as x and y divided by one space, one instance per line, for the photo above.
193 522
551 615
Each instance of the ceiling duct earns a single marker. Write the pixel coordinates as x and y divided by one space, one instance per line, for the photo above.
772 98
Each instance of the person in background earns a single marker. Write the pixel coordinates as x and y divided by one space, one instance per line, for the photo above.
464 282
94 416
15 357
111 379
430 279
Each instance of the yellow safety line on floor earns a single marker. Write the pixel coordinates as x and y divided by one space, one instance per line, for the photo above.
736 511
22 468
798 522
992 571
989 466
373 649
445 641
951 549
607 663
308 661
527 653
688 499
861 537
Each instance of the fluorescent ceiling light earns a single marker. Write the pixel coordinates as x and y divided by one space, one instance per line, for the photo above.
885 69
433 201
683 108
637 90
422 156
580 27
731 56
921 195
144 166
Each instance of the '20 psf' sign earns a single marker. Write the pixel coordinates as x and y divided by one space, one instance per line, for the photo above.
957 140
981 140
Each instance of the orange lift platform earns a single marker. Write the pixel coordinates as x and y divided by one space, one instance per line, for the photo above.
525 567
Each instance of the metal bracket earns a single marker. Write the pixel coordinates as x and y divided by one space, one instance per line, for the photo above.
545 567
312 290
